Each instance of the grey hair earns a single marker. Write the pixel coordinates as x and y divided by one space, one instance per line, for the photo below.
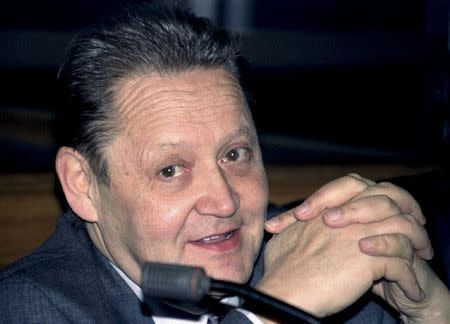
142 39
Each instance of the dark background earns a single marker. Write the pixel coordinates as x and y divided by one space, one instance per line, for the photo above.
334 81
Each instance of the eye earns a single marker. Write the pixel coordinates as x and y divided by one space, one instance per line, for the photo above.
171 171
237 154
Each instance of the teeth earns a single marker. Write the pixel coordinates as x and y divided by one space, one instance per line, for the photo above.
217 237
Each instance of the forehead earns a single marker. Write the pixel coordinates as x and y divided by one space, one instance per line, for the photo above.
199 96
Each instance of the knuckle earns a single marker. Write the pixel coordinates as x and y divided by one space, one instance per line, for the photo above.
354 180
383 203
350 209
387 185
389 203
405 266
354 175
391 189
410 223
319 195
416 210
405 247
382 243
404 242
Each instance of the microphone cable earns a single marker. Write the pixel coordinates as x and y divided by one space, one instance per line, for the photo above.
191 284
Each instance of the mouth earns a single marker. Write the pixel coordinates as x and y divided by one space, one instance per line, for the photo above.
221 242
216 238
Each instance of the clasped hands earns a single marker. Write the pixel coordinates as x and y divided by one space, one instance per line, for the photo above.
351 236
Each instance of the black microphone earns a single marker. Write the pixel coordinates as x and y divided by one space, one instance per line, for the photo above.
191 284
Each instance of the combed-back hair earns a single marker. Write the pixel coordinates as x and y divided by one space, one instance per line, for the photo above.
144 39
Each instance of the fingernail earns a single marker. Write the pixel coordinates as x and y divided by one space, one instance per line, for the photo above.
333 214
272 222
368 243
419 298
422 295
302 209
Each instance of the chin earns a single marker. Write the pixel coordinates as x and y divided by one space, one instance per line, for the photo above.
237 275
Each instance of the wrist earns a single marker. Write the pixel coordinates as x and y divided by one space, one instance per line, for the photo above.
306 302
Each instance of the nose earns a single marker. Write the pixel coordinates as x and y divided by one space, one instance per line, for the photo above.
217 198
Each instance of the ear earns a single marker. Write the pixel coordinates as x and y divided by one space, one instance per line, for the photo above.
77 182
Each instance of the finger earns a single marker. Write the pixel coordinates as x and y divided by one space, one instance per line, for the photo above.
409 227
364 210
390 245
366 180
331 195
278 223
401 272
402 198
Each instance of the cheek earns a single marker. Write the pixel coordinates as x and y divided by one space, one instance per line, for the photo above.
254 201
156 219
152 231
142 220
256 190
163 220
162 229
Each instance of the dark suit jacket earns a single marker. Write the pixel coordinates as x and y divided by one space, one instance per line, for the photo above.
68 280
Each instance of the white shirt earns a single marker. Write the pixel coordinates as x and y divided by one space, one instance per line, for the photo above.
234 301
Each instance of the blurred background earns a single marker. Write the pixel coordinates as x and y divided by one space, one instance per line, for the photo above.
334 81
340 86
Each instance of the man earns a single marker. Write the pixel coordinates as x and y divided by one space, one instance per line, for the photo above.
161 163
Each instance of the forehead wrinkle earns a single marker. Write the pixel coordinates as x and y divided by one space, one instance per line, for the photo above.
134 102
138 83
177 94
133 87
198 109
136 91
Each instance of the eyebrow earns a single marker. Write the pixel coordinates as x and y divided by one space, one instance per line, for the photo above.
242 131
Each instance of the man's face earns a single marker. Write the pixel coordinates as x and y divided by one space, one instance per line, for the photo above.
187 180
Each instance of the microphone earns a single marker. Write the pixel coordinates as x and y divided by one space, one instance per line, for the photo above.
173 281
191 284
